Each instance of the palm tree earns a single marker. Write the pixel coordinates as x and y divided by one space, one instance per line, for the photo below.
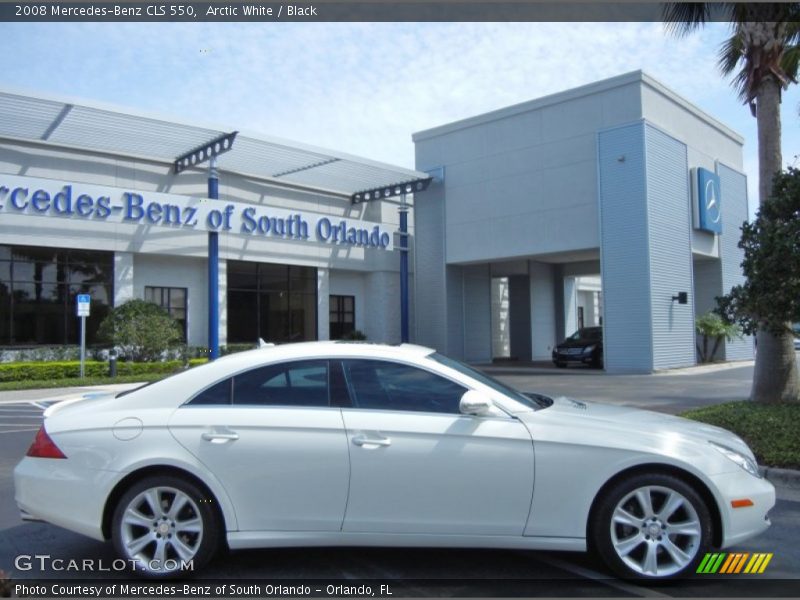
763 56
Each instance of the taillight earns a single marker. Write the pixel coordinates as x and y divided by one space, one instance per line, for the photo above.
44 447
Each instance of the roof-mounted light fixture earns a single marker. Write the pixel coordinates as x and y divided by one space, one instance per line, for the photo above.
391 191
205 152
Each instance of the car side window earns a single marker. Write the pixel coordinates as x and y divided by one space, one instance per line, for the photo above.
219 393
302 383
387 385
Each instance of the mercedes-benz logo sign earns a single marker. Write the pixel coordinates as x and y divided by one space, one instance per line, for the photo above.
712 202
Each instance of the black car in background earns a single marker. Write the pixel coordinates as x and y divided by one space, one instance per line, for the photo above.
584 346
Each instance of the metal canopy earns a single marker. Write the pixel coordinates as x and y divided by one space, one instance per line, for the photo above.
76 124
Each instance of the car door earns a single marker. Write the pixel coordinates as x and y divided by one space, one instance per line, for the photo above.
273 440
420 466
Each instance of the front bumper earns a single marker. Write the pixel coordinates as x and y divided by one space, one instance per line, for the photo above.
740 524
565 357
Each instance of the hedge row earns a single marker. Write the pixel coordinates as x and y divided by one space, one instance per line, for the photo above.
30 371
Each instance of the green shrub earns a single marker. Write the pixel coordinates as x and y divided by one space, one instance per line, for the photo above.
355 335
34 371
233 348
713 328
143 331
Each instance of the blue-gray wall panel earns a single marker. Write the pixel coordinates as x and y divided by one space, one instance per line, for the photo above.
477 313
624 263
429 289
455 312
733 189
669 233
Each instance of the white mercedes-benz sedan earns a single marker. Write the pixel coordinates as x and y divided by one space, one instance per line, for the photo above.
354 444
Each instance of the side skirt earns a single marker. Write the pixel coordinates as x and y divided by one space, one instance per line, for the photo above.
287 539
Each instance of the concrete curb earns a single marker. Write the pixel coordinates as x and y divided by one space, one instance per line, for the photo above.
707 368
784 477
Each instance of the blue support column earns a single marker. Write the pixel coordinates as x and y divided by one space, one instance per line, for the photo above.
403 270
213 269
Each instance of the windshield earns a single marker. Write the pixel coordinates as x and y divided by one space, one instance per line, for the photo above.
534 401
591 335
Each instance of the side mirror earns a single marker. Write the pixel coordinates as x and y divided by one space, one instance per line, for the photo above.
475 403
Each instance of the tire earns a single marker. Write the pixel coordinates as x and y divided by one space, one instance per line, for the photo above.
190 529
663 541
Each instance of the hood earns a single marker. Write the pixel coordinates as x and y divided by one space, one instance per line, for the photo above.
634 426
580 343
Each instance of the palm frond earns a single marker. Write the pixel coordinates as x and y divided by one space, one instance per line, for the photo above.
682 18
730 53
742 85
793 26
790 62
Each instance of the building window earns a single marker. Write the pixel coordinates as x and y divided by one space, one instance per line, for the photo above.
37 293
277 303
173 300
580 317
342 316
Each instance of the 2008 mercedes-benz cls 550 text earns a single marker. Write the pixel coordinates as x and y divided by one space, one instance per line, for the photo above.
329 443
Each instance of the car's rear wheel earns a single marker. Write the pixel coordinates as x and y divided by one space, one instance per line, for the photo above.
164 526
651 526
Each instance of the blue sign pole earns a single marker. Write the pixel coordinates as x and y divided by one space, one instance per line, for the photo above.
403 270
83 306
213 269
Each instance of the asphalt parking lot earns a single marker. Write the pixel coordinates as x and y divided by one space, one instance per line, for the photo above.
426 572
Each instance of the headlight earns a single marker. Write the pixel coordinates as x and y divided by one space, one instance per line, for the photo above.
740 459
589 349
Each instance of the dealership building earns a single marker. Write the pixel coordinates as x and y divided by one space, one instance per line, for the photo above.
622 182
95 201
614 204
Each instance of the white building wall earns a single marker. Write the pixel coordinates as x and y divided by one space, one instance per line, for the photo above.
140 176
123 277
173 271
382 318
323 304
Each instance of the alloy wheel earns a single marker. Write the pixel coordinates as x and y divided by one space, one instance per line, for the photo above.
161 528
655 531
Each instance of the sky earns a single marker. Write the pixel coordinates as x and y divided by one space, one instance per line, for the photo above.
364 88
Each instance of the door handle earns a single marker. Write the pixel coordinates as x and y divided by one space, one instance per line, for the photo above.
218 438
362 440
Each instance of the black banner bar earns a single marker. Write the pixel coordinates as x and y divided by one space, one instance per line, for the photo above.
708 587
333 11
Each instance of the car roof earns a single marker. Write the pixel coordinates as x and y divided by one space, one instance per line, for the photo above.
199 377
332 348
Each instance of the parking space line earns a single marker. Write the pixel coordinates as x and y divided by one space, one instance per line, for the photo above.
628 588
19 430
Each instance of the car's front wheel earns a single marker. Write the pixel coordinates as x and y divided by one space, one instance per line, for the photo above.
651 526
165 526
